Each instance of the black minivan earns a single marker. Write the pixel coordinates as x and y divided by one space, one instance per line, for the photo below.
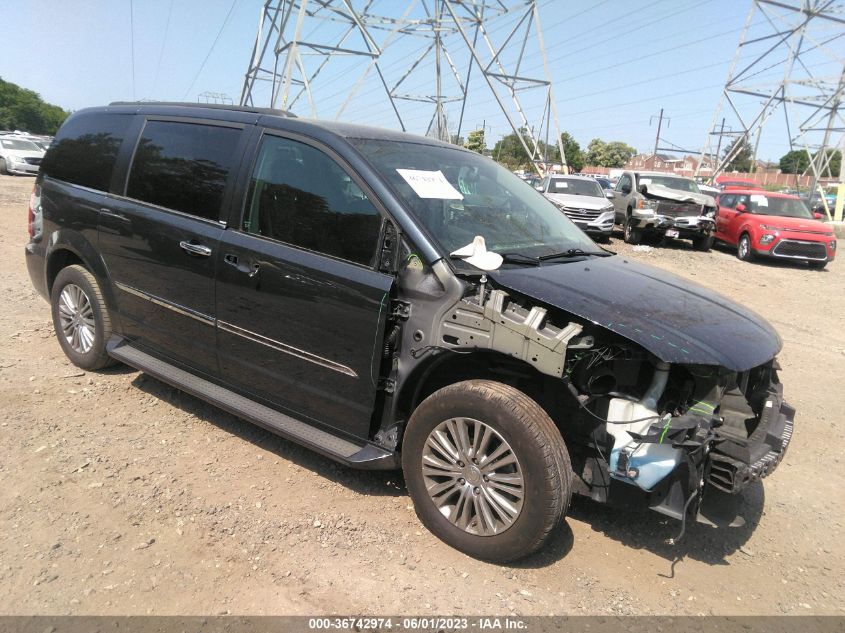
392 301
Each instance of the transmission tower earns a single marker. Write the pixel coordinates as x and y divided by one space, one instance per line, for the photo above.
790 58
458 49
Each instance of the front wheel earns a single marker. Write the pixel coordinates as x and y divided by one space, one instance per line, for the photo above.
80 318
633 234
703 242
3 169
487 470
743 249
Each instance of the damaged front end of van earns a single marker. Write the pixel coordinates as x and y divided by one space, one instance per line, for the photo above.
661 389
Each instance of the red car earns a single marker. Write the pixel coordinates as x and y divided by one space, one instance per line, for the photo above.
726 182
764 224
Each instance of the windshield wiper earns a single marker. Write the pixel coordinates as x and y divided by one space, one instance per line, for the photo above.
572 252
510 258
519 258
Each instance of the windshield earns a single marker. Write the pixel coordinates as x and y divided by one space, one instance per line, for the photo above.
670 182
783 207
575 187
19 144
455 195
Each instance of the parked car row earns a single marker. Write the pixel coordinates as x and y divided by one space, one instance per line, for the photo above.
21 154
662 206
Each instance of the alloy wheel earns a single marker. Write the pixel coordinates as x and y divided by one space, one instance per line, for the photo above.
77 318
473 476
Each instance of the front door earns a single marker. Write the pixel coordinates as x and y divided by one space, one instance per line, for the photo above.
160 240
621 197
301 307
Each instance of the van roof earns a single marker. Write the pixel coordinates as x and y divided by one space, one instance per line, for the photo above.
210 106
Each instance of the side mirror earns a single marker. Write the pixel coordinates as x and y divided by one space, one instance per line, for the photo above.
626 191
539 188
818 216
740 208
642 189
609 194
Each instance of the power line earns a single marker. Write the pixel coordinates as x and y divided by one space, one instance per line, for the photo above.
161 52
132 44
210 50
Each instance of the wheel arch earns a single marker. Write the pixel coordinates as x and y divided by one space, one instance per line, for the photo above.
68 248
449 368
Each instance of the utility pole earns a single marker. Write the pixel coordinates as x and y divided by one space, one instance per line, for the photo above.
719 143
659 126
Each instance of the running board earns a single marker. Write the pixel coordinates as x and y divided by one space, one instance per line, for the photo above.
365 456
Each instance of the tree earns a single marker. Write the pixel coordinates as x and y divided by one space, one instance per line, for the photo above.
22 109
572 150
509 152
741 161
612 154
476 142
794 162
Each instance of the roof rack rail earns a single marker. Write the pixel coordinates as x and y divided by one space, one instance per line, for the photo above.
213 106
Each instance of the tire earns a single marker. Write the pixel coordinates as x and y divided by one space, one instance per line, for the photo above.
88 328
703 242
817 265
632 234
743 248
510 420
3 169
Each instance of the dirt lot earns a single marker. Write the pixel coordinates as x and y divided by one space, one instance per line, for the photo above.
121 495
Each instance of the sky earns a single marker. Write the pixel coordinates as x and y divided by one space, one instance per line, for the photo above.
613 63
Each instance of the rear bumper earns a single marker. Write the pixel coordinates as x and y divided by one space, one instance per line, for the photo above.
36 266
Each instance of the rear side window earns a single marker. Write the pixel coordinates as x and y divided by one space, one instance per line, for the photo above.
85 149
301 196
183 166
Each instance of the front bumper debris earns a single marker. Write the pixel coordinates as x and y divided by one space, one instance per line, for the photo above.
730 472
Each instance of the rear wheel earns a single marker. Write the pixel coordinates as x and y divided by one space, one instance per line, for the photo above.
703 242
487 469
3 169
633 234
817 265
80 318
743 248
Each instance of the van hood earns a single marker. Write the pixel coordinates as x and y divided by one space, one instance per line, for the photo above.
676 320
591 203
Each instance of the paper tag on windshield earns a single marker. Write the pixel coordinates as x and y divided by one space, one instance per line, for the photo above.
761 201
645 181
430 184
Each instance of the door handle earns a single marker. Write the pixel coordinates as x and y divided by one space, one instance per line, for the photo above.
113 214
193 248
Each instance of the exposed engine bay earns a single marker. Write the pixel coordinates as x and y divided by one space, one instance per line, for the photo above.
633 422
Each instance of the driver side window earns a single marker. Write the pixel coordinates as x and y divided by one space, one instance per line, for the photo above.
624 184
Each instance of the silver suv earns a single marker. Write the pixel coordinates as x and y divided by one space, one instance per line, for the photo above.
582 200
664 205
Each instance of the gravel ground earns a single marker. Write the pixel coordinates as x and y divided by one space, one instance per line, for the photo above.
121 495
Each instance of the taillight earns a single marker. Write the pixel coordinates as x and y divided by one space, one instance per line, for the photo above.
34 207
